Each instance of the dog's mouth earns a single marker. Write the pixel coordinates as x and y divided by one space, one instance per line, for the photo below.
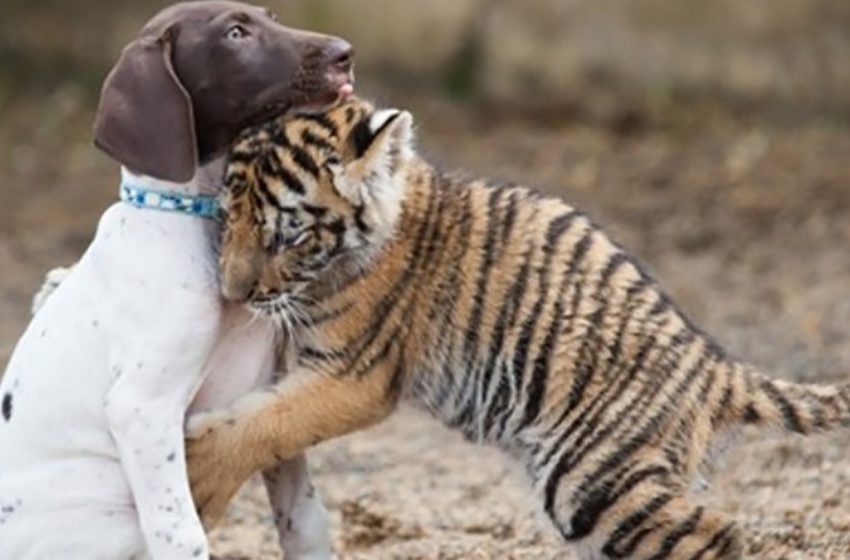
338 85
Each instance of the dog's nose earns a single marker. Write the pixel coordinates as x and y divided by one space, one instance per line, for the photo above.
340 55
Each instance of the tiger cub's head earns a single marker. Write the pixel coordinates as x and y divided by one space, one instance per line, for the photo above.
306 191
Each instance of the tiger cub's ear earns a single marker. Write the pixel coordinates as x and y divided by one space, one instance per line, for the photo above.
376 150
383 140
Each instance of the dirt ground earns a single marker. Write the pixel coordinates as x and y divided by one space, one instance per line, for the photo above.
746 221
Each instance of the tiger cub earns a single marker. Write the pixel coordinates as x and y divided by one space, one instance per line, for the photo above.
508 315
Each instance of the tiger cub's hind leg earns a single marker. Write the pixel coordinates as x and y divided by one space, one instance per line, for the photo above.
666 526
651 520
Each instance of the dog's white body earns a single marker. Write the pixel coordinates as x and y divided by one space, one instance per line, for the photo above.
92 455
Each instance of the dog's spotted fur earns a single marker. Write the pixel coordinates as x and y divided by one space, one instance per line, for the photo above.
508 315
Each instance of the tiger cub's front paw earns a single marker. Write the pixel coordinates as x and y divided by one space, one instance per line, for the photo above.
52 280
217 465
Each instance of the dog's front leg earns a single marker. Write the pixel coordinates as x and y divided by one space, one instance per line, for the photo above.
157 372
264 428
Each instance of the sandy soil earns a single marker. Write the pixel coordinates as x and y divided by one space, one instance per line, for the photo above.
746 222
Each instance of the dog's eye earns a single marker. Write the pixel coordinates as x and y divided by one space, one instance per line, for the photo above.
236 33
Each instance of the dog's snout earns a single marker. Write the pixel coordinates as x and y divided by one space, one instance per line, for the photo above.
340 55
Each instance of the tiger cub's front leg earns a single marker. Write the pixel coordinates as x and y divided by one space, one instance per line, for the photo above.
52 280
226 447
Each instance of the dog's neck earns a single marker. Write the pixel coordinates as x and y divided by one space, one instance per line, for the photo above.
208 180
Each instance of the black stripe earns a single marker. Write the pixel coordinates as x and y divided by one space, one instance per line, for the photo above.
632 522
265 196
584 371
315 211
323 121
610 394
246 157
470 347
310 353
303 159
570 458
601 498
269 164
383 354
726 548
588 426
792 418
593 413
751 415
350 114
677 534
397 378
478 377
277 134
443 309
509 220
395 293
613 356
401 332
507 317
361 225
556 229
724 537
361 138
726 398
649 427
588 358
311 138
540 370
292 182
236 183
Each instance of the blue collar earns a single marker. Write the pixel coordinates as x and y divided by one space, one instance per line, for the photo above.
203 206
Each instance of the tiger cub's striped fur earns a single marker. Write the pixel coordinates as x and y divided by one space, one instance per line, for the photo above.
508 315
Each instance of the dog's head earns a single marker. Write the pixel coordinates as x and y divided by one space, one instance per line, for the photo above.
200 72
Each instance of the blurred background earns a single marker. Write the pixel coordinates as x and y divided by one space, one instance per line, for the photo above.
711 138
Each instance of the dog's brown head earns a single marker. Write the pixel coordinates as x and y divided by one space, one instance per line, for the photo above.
199 73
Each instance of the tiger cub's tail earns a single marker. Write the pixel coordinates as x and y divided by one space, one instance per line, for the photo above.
754 398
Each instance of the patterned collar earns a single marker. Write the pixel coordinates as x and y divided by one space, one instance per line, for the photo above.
203 206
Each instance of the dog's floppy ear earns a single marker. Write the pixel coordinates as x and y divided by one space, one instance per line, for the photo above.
144 119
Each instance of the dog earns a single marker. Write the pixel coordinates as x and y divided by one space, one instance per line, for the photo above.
95 395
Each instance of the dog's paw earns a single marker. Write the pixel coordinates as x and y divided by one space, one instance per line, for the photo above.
52 280
217 464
